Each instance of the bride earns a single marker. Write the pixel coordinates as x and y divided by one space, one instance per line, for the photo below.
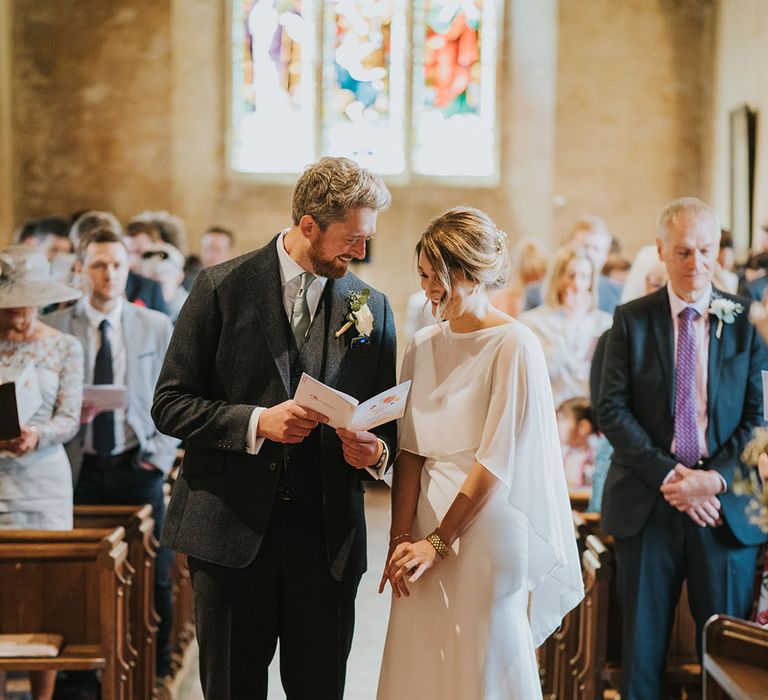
482 559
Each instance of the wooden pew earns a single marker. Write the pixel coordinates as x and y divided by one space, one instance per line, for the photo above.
555 653
183 631
735 659
142 548
587 663
72 583
566 658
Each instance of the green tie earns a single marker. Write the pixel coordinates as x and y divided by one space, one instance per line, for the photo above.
300 318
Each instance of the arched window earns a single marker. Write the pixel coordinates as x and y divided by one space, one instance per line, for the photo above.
406 88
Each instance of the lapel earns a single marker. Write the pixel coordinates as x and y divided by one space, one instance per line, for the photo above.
715 360
336 297
265 295
79 327
661 321
132 334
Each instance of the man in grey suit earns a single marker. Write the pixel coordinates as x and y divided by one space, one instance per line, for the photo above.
269 504
119 456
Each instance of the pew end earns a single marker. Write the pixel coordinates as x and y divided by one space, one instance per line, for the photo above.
735 659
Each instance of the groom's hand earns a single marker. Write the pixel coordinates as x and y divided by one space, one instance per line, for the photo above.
361 448
288 422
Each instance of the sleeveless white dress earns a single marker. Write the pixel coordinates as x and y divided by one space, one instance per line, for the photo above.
470 626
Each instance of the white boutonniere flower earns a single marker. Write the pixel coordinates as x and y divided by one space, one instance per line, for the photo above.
359 315
725 310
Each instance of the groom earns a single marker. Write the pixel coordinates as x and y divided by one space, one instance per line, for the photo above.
680 395
269 502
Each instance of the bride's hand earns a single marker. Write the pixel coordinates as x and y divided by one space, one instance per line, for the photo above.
395 549
417 557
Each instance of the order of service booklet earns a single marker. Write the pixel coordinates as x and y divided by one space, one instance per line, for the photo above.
345 411
19 399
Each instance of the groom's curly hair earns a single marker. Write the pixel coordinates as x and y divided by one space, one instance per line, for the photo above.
330 188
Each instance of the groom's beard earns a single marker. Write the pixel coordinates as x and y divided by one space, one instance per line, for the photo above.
333 268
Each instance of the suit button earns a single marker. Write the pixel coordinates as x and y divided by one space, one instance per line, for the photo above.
272 466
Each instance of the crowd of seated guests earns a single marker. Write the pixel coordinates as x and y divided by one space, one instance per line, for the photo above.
87 305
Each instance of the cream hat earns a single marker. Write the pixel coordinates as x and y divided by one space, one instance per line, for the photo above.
25 280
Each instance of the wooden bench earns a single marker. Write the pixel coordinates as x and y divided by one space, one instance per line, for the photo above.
567 660
735 659
73 583
587 663
142 551
183 631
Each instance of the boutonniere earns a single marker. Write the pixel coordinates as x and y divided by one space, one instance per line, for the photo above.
725 310
359 316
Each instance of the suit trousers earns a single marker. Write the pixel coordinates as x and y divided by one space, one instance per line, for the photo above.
285 594
650 569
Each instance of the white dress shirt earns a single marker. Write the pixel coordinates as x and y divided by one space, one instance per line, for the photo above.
290 279
125 438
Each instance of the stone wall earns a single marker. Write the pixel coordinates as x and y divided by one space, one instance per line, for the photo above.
121 104
742 67
634 88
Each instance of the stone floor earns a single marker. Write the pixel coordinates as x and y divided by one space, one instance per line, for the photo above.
371 616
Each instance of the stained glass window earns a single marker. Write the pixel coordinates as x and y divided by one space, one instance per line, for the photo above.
364 110
401 87
454 87
273 106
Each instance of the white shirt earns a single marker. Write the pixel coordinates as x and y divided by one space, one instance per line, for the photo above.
290 279
125 438
701 329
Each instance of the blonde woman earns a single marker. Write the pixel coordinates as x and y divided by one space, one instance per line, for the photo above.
480 514
569 323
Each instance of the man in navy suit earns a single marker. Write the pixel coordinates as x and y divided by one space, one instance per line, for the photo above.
680 396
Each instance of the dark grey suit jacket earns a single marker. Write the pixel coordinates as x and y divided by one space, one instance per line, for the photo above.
636 410
230 352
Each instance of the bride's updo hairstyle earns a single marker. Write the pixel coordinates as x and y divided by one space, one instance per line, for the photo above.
463 243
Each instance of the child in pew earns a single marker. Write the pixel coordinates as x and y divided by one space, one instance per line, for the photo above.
578 440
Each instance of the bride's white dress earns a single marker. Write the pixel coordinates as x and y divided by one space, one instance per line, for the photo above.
470 626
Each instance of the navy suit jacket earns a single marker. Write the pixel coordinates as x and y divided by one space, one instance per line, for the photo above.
636 410
148 292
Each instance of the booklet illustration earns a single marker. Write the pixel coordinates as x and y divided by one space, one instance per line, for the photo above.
344 411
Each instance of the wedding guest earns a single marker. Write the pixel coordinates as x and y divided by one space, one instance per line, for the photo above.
591 234
528 266
35 476
616 269
755 282
578 441
139 237
138 289
482 559
119 456
172 228
680 397
569 324
162 262
217 246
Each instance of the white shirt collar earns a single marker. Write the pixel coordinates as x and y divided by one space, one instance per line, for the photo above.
289 268
95 317
676 304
